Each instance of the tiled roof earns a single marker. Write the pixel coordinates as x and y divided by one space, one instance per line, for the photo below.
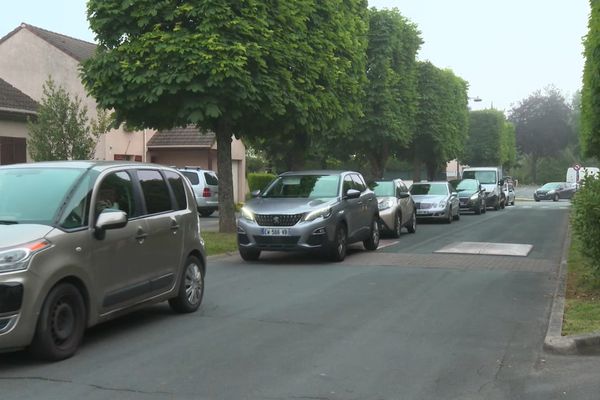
189 136
76 48
13 99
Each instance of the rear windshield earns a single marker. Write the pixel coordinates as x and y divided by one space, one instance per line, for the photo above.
34 195
211 179
429 188
192 177
304 186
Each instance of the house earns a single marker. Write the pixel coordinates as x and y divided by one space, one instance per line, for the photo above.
15 108
29 55
190 147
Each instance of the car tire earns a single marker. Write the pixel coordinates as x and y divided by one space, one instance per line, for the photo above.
457 216
205 213
249 254
337 249
191 287
535 198
61 324
412 224
372 242
478 209
513 202
449 219
397 225
555 198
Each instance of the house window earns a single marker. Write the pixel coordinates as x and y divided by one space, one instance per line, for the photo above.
12 150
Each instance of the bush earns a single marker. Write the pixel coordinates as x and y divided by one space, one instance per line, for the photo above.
259 181
585 219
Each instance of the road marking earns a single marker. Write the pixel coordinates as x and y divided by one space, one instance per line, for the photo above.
387 244
484 248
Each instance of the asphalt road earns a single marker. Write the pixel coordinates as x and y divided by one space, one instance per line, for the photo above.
399 323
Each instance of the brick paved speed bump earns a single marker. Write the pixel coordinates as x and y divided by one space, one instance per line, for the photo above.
485 248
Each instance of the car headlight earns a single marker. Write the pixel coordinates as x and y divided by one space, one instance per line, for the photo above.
442 204
17 258
385 204
474 197
321 212
246 213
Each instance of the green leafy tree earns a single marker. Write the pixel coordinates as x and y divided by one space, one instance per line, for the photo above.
62 129
491 140
390 104
442 119
542 124
231 67
590 96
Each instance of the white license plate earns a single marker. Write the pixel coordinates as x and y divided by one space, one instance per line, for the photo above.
275 232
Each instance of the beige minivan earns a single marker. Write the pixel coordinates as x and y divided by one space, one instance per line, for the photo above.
82 242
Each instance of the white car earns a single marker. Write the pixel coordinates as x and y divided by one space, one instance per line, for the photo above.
509 193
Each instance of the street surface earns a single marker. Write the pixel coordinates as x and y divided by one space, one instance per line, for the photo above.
400 323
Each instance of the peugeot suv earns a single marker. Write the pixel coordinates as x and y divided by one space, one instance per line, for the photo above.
83 242
309 211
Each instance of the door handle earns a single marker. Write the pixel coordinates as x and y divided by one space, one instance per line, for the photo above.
141 235
174 225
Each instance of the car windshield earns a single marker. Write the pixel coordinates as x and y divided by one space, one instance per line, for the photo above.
466 184
304 186
551 185
484 177
429 188
384 188
34 195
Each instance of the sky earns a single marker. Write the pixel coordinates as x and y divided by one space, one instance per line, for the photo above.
505 49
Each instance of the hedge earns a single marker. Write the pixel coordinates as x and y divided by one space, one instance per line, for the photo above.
585 220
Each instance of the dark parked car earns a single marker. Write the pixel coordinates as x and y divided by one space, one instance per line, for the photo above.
310 211
471 195
554 191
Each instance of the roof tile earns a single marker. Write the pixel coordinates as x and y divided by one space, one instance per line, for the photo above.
187 136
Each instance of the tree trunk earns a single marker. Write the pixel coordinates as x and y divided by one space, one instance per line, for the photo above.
226 201
534 160
416 168
296 159
377 163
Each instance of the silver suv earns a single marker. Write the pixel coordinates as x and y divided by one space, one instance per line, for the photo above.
310 210
83 242
206 188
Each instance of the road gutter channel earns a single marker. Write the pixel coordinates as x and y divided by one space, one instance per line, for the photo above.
554 341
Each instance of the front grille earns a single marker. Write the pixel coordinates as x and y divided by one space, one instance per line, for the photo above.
276 242
278 220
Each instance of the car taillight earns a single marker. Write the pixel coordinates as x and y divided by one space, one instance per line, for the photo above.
206 192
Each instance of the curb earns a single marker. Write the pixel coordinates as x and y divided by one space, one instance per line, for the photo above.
554 341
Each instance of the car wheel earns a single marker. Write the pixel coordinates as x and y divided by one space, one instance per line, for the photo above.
497 205
457 216
373 241
555 198
478 209
449 217
191 287
249 254
337 251
503 203
61 324
205 213
412 224
535 198
397 225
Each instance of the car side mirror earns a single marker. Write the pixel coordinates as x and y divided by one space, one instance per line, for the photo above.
109 218
501 182
352 194
404 195
255 193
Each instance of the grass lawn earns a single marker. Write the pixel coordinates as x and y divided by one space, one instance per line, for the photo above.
219 243
582 308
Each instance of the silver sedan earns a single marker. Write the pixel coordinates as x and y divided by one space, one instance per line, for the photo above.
436 200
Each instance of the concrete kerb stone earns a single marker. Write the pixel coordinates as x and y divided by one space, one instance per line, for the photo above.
554 341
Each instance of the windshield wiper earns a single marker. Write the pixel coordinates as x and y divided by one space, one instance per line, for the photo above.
8 222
